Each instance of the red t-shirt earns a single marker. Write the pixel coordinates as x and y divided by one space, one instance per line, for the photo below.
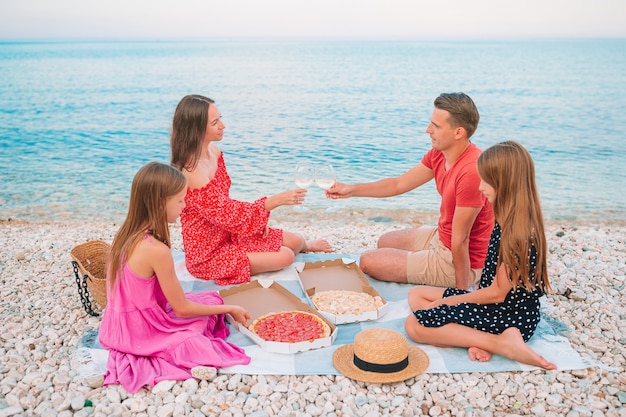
458 187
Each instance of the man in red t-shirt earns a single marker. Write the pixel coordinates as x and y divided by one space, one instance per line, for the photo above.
451 254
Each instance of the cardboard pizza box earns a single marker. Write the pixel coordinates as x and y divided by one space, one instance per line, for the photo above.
262 297
338 274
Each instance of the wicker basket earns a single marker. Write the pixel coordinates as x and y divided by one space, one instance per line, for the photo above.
91 258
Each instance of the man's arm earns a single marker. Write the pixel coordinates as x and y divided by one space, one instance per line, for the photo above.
388 187
462 223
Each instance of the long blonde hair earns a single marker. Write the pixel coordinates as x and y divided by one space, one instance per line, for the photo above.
151 187
510 170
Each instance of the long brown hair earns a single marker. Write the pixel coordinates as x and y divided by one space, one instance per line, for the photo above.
510 170
153 184
188 129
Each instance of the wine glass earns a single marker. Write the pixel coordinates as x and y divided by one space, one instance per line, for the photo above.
325 178
304 177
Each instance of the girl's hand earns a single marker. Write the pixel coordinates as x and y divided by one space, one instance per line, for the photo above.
240 314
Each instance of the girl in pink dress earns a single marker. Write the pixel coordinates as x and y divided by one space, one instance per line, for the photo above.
152 329
226 240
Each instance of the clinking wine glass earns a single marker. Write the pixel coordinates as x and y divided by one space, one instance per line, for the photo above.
304 177
325 178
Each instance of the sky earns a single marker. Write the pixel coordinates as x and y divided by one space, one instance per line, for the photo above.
395 19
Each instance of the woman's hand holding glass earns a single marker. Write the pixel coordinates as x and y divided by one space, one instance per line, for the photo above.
303 177
286 198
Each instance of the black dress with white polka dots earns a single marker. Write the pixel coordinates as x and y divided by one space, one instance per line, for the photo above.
519 309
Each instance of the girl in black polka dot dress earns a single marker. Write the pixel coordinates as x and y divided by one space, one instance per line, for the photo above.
503 313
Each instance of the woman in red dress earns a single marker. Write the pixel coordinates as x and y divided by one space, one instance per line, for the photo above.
224 239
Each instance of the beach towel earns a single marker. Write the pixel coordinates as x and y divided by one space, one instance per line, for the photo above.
549 339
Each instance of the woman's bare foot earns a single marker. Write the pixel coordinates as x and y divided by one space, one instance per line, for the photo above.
516 349
318 245
478 354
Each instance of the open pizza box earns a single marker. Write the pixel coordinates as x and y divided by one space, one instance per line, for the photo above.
264 296
338 274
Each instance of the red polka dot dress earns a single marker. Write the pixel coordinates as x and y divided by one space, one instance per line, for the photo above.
218 231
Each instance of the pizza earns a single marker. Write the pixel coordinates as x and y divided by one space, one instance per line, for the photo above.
346 302
290 327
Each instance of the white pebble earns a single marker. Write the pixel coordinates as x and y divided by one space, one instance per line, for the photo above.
207 373
166 411
11 411
596 345
190 385
538 410
135 405
261 389
163 386
77 402
113 396
434 411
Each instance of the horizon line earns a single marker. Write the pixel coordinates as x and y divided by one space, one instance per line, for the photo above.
101 39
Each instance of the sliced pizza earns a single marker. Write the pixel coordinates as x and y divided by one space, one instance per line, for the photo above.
290 327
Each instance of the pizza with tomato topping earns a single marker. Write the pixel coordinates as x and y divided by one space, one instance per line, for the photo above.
290 327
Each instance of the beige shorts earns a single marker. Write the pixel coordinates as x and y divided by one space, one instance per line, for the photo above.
430 262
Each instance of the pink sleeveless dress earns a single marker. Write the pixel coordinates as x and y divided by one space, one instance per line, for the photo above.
147 343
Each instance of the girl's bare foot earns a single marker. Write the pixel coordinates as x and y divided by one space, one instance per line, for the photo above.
318 245
518 350
478 354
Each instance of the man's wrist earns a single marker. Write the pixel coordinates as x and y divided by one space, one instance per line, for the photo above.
462 283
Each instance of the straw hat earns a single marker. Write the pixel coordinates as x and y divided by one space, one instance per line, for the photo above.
380 356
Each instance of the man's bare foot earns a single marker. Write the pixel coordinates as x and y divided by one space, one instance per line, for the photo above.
478 354
515 347
318 245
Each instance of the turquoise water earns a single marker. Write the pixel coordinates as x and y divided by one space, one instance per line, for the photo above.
78 119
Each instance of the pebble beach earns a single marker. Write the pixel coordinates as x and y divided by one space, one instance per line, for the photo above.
42 322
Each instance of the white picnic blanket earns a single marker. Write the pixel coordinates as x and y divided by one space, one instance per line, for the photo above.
548 340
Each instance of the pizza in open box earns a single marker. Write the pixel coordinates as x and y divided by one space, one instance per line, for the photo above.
290 327
340 302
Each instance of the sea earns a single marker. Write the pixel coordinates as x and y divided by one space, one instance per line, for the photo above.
78 119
